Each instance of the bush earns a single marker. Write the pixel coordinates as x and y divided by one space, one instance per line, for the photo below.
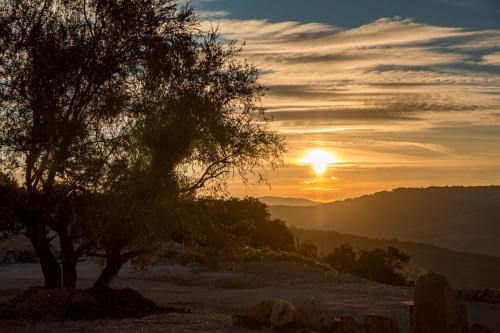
308 249
381 265
248 222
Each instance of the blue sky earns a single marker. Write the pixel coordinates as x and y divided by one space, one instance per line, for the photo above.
403 93
483 14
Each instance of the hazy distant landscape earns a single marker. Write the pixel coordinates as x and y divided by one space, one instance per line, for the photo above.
464 219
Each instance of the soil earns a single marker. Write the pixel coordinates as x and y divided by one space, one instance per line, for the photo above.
60 304
214 296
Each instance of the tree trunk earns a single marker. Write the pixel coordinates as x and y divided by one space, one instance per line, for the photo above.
69 260
69 274
50 267
114 263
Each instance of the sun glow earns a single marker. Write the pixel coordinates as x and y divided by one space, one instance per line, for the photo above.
319 159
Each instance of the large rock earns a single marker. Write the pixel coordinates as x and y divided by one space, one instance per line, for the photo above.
478 328
436 308
349 325
379 324
268 313
313 314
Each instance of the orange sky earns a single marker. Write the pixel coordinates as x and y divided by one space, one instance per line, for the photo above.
400 103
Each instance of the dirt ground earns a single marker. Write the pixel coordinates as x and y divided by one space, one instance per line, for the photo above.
214 296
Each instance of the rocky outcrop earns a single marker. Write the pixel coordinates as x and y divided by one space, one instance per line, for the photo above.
310 316
436 308
268 313
379 324
313 314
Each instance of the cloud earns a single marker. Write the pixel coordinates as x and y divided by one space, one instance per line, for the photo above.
211 14
400 102
492 59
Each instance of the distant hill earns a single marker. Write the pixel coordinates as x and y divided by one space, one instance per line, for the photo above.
281 201
464 270
458 218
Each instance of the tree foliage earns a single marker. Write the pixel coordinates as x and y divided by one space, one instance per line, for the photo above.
115 113
249 220
381 265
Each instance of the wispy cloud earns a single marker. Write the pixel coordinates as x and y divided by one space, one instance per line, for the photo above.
395 96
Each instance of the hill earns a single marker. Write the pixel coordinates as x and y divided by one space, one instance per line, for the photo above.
281 201
464 270
458 218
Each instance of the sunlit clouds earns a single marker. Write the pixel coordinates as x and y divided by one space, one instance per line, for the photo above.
400 102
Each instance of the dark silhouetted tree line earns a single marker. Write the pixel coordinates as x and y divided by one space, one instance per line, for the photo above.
114 116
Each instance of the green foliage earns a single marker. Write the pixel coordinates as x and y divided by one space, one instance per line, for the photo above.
290 256
342 258
11 200
125 111
308 249
381 265
246 222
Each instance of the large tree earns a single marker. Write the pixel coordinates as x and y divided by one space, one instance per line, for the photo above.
112 112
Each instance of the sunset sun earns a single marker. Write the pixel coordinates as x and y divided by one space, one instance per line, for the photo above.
319 160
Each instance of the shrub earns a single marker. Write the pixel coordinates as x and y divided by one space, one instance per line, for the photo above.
308 249
381 265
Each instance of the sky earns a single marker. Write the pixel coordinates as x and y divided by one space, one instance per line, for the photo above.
399 93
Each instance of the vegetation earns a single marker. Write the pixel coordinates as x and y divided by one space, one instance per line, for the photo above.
114 116
381 265
249 219
465 270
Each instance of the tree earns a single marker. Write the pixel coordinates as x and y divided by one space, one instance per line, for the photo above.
249 220
10 198
308 249
381 265
115 112
342 258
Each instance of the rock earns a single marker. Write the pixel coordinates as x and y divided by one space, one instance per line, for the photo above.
379 324
268 313
478 328
349 325
313 314
436 308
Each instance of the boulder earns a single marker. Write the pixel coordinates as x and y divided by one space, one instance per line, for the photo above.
349 325
269 313
379 324
478 328
436 307
313 314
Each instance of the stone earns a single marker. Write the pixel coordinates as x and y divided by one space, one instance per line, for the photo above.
349 325
313 314
478 328
269 313
436 307
380 324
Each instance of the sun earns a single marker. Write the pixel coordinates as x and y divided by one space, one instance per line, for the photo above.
319 159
